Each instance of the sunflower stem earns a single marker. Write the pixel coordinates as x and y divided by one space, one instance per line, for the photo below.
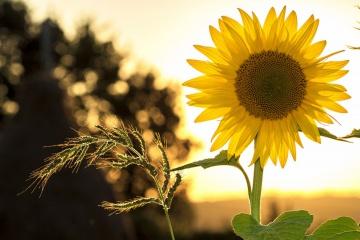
256 191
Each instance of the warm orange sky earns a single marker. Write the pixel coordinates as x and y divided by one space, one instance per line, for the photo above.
162 33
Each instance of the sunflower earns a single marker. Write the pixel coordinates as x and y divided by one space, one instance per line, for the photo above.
267 82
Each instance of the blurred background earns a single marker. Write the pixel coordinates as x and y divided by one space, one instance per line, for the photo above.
70 65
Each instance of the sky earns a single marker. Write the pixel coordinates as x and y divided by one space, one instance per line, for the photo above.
160 34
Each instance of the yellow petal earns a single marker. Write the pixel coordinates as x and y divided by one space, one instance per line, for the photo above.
333 64
235 116
259 35
338 96
219 42
235 25
314 50
222 139
227 100
326 75
305 27
247 137
283 156
294 129
232 46
262 148
242 48
207 81
318 60
302 38
291 23
233 143
212 53
211 114
210 68
248 23
282 14
269 21
307 125
332 106
204 66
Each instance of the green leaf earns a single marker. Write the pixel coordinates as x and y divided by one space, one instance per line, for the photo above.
218 160
246 226
354 134
353 235
288 226
325 133
333 229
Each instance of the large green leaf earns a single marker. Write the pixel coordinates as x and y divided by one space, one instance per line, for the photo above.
288 226
336 229
219 160
353 235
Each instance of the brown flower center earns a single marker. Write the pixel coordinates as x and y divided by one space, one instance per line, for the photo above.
270 85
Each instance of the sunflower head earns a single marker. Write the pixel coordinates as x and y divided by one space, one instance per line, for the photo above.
266 82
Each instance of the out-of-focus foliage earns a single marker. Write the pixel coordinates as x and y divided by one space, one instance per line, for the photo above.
14 32
89 71
33 116
36 58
